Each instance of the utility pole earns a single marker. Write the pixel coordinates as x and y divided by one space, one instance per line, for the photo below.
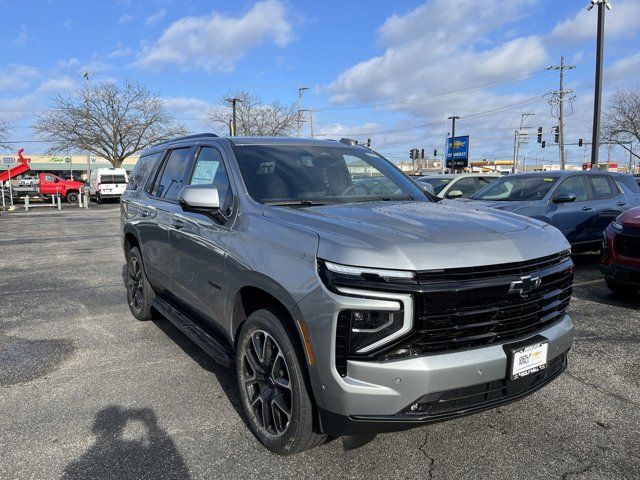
234 118
87 102
560 100
300 92
453 119
517 140
597 102
311 111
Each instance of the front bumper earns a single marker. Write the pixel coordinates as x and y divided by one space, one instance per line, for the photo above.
375 395
621 272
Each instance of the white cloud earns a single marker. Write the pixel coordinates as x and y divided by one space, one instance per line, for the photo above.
57 85
156 17
68 63
626 68
16 77
125 18
22 38
217 41
620 22
121 51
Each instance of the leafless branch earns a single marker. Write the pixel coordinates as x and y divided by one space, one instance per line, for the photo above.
113 121
5 131
254 118
621 120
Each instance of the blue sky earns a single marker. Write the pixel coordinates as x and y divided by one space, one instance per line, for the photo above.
391 71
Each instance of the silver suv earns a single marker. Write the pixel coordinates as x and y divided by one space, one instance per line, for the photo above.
349 306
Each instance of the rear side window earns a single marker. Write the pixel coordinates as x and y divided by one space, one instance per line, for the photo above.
629 182
170 179
602 187
112 179
144 165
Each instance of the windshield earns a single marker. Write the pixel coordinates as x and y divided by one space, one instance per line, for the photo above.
303 174
437 183
514 188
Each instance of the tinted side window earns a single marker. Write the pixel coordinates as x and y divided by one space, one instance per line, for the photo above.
484 181
629 182
142 168
209 169
573 186
602 187
170 180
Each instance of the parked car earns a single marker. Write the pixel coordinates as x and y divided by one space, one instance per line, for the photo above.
345 312
458 186
637 177
580 204
620 261
107 183
28 181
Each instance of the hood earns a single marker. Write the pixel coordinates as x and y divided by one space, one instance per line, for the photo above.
508 206
630 218
422 235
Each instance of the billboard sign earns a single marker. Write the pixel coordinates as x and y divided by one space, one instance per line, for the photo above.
460 152
8 161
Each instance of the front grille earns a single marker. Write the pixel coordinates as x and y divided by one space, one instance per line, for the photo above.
493 271
484 395
628 246
459 315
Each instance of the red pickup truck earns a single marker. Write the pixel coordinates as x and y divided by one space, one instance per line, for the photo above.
48 184
620 262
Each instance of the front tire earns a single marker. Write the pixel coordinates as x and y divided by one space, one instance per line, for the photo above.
72 197
275 394
140 294
623 289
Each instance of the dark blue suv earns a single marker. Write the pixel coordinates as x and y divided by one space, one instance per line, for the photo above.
580 204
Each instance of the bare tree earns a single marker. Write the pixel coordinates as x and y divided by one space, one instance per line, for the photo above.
113 121
254 118
622 118
5 130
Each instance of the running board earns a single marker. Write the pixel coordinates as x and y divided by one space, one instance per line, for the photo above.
219 352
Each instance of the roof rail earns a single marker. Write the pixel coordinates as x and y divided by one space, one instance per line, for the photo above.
186 137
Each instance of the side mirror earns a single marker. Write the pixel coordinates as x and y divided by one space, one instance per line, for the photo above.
199 197
565 198
454 194
427 187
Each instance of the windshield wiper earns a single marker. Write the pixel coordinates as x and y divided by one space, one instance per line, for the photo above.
295 203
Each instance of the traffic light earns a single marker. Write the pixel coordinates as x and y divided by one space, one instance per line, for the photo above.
435 153
368 142
539 134
557 135
544 143
580 142
422 153
411 154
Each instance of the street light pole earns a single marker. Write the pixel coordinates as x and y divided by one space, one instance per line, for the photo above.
597 103
453 119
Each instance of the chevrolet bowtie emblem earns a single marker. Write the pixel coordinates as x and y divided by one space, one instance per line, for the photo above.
524 285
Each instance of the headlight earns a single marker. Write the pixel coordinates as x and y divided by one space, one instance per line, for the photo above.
382 312
369 327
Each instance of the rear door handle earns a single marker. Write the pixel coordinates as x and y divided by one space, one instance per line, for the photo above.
620 204
177 224
586 209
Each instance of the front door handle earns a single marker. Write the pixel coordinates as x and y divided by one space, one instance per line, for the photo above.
177 224
586 209
621 204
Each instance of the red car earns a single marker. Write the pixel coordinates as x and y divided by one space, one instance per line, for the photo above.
620 262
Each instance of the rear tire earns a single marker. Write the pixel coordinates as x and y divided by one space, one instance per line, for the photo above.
270 370
72 197
623 289
140 294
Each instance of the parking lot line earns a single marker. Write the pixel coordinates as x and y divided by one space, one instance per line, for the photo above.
589 282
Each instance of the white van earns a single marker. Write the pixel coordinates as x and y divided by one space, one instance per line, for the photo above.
106 183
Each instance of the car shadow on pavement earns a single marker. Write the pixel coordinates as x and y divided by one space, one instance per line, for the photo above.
226 376
129 444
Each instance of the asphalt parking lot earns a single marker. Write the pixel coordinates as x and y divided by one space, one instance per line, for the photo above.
87 391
